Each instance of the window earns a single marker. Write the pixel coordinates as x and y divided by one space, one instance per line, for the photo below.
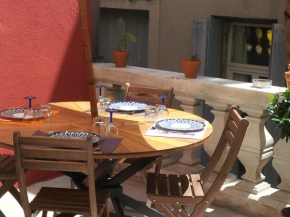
249 51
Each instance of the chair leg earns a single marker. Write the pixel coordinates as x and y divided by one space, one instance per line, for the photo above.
199 209
2 214
144 175
44 213
164 209
13 191
149 204
117 206
7 185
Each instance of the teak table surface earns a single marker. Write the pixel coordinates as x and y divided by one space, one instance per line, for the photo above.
74 116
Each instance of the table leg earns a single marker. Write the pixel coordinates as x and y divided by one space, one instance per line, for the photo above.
127 173
136 205
117 206
113 185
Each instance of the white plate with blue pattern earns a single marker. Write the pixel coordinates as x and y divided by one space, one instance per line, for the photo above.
181 125
75 134
18 113
128 106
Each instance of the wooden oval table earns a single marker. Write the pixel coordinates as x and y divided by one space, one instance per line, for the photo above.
75 116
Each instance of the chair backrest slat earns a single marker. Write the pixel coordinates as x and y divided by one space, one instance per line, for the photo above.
235 116
232 127
32 164
229 137
148 95
52 153
52 142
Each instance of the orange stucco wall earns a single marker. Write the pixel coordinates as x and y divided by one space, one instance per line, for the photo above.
41 52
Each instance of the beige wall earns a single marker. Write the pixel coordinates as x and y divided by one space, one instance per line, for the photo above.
175 29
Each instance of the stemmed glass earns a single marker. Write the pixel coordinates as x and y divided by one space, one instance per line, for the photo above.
100 98
104 104
30 116
162 111
100 91
111 128
30 98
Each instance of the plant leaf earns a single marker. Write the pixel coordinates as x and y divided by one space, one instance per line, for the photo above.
271 96
131 37
122 42
121 26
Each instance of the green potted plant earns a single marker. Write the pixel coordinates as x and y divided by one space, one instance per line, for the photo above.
279 111
121 56
191 66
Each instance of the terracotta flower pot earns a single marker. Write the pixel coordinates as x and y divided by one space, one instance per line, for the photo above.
121 58
190 68
287 77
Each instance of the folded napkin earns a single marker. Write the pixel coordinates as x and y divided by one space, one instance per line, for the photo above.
39 133
153 131
108 145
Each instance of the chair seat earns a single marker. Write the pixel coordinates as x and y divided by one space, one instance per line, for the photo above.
68 200
172 188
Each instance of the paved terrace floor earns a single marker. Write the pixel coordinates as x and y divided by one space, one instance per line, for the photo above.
134 187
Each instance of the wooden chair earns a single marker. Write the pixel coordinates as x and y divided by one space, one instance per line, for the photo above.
58 154
170 193
8 177
148 95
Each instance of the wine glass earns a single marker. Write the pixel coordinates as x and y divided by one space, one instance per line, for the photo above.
150 114
104 104
111 128
100 90
162 111
30 116
30 98
99 98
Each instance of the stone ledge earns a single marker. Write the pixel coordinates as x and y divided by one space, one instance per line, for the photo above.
205 88
260 205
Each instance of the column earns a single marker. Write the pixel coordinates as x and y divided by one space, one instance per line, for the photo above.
191 158
113 92
281 163
256 151
220 111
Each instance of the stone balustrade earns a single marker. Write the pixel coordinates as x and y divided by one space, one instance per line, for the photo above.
219 94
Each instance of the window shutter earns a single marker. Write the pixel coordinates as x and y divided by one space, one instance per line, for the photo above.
200 42
214 48
278 61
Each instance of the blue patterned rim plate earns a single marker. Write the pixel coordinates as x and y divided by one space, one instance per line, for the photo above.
128 106
17 113
75 134
182 125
